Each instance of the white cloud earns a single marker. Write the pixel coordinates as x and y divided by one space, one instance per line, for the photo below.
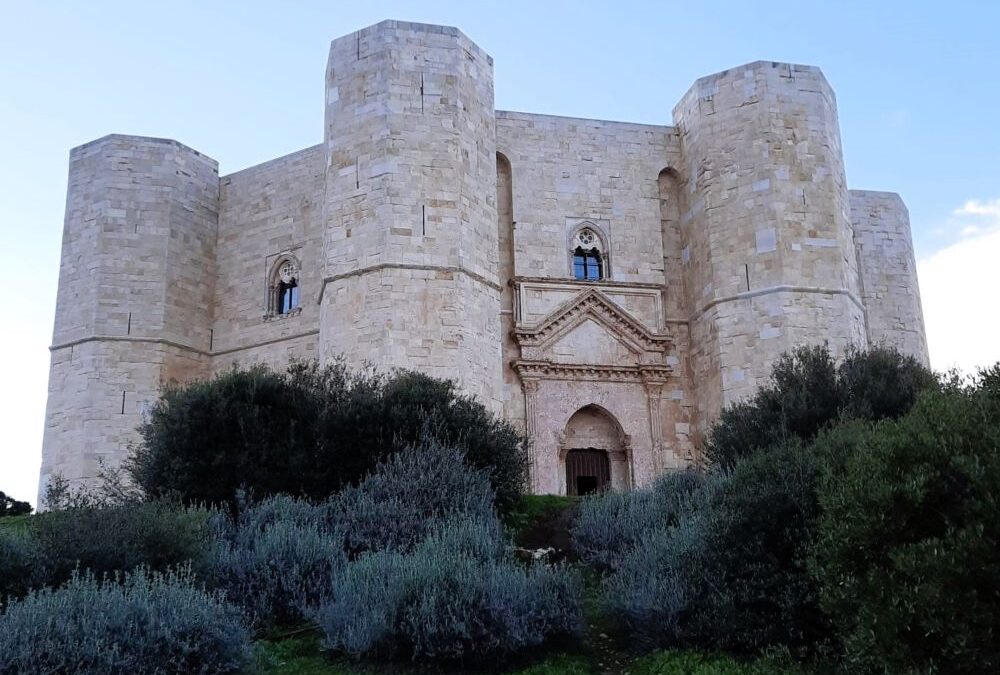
960 292
977 207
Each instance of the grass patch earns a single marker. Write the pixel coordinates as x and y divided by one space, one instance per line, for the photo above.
697 663
16 522
302 655
542 521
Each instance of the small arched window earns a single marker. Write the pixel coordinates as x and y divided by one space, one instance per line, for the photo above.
284 288
588 263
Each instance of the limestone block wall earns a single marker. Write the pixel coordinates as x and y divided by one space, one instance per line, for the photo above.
134 304
267 211
566 170
767 238
411 238
888 272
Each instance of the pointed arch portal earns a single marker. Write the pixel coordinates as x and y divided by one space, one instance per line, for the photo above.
594 452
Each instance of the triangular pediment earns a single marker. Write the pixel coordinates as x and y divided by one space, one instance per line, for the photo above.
595 307
591 341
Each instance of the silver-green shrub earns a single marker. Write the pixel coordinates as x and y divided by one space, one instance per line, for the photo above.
657 582
139 623
456 596
277 558
410 495
610 525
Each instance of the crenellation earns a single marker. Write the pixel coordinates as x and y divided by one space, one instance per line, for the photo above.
606 286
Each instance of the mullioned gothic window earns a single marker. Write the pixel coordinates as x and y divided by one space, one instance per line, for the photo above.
589 263
283 288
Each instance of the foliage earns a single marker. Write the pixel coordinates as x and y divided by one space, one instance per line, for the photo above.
447 602
808 391
310 431
410 494
906 557
611 524
141 622
11 507
103 539
699 663
529 510
19 563
277 559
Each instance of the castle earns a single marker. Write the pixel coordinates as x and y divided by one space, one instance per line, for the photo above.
606 286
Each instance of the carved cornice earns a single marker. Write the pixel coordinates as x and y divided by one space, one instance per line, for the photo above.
548 370
594 304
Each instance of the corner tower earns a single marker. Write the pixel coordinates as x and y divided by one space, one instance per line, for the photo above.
411 243
134 304
767 237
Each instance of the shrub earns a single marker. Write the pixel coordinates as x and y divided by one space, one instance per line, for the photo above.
611 524
206 440
808 391
880 383
11 507
147 623
156 534
19 563
278 559
409 495
732 573
311 431
906 557
753 587
447 602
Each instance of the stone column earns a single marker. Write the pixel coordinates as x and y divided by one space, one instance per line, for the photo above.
653 392
530 392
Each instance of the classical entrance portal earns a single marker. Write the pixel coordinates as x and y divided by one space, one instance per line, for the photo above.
587 471
594 452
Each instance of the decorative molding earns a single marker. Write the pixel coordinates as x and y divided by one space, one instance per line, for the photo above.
592 303
454 269
777 289
547 370
178 345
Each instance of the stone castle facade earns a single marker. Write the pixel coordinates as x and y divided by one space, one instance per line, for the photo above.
606 286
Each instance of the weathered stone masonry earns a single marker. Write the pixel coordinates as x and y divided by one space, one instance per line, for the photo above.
430 231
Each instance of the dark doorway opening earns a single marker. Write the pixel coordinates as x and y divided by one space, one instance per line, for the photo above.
587 471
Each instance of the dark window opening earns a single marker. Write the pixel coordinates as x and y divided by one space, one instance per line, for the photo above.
288 296
587 265
588 471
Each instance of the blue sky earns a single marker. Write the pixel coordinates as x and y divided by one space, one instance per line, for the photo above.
918 87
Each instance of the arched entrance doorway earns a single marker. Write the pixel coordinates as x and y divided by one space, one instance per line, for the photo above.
594 451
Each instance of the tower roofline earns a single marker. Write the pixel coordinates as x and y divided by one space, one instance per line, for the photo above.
141 139
421 28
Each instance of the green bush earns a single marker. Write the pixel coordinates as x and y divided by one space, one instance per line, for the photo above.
141 623
408 496
309 432
906 557
11 507
19 563
455 597
808 392
613 523
731 573
276 560
103 539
